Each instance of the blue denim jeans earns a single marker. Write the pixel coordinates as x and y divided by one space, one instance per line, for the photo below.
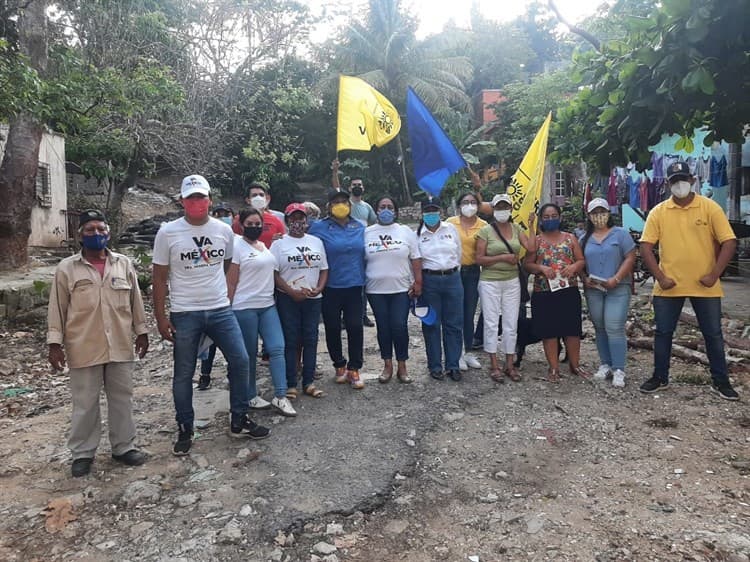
470 282
346 301
264 321
445 295
608 312
208 363
708 312
299 320
221 326
391 315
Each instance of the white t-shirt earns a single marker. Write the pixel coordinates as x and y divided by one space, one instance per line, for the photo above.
300 261
195 256
388 254
441 249
255 287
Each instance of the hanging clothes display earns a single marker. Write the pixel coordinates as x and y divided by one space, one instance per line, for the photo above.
643 193
612 189
633 180
718 176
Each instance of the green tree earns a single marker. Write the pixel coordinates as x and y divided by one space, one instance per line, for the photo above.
683 67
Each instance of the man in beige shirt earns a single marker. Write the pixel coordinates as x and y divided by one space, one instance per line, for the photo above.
95 307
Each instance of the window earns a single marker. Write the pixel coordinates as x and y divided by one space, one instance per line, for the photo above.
43 186
560 184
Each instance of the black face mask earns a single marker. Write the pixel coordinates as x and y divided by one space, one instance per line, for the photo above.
252 232
357 191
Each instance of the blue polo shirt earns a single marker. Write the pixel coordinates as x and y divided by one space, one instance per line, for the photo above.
604 258
345 249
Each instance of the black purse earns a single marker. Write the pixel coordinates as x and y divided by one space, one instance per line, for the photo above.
523 277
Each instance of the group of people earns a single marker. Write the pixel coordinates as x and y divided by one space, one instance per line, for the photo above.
235 278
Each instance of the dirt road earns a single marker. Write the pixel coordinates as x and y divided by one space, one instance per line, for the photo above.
428 471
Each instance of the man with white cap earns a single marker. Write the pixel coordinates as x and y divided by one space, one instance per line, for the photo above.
688 228
192 253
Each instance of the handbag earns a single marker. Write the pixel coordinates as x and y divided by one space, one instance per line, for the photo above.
523 277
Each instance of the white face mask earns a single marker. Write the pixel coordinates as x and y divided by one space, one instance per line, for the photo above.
681 189
468 209
502 216
259 202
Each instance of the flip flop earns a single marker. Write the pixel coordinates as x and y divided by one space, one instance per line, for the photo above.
312 390
292 393
497 376
513 374
553 376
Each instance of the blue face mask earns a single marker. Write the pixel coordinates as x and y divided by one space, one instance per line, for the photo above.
431 219
550 225
386 216
227 220
95 241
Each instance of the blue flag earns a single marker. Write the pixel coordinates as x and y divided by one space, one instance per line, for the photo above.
432 152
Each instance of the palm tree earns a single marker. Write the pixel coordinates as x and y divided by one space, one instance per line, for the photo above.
383 50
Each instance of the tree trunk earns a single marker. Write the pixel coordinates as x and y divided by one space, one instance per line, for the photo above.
21 158
405 182
117 193
18 189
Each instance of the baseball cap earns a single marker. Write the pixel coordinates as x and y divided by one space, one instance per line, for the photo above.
292 207
678 169
223 206
501 197
432 203
423 311
595 203
90 215
333 193
194 184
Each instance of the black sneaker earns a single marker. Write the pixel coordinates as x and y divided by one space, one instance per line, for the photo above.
245 427
81 467
654 384
725 390
204 382
437 375
455 375
184 440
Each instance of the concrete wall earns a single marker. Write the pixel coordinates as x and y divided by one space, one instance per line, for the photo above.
48 224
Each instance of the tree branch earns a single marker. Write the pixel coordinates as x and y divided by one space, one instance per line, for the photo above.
574 28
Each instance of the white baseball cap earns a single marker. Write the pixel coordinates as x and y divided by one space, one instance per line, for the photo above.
194 184
596 203
501 197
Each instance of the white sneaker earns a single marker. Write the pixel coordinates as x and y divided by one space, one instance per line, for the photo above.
462 366
618 379
258 403
602 373
472 361
284 406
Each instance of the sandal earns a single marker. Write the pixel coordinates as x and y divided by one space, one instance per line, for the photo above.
513 374
580 371
553 375
312 390
403 377
385 376
292 393
497 376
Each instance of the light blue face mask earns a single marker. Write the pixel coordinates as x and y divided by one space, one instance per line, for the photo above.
431 219
386 216
227 220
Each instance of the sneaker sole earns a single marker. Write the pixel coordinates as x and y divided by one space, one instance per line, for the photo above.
644 391
180 453
285 414
729 398
260 408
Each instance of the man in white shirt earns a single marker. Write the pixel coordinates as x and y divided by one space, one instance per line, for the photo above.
192 253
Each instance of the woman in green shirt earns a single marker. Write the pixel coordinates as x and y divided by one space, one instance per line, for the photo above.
498 252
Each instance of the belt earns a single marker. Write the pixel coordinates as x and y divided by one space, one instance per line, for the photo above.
440 271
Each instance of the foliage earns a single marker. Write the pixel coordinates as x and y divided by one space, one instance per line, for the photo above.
523 110
683 67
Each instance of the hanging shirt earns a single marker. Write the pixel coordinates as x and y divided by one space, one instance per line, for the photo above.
195 256
612 189
643 193
718 177
634 183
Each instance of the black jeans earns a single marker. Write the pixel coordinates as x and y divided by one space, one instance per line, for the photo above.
348 301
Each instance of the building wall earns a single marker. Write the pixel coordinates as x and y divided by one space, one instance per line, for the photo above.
48 220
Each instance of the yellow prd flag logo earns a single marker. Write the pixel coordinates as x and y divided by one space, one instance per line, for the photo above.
366 117
525 187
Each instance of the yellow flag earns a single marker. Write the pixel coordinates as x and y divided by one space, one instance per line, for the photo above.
366 117
525 187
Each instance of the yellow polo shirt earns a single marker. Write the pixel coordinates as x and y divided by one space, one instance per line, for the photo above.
468 239
688 239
